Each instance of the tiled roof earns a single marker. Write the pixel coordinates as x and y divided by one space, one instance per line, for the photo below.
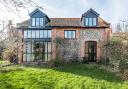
65 22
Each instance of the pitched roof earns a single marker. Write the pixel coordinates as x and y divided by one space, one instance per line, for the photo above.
65 22
91 10
37 10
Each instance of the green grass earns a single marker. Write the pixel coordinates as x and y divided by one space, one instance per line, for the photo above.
1 62
66 77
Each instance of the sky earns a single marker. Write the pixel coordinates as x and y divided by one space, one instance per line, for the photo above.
110 10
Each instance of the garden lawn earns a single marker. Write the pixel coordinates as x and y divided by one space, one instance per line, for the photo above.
65 77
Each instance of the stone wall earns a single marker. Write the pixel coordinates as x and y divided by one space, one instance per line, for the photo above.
76 47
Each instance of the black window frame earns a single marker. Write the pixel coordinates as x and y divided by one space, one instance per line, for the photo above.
35 18
47 34
68 34
88 21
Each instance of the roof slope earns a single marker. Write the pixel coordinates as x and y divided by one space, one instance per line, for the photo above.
65 22
91 10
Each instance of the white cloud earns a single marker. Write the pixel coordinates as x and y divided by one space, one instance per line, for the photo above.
110 10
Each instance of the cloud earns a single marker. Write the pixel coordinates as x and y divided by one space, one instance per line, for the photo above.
110 10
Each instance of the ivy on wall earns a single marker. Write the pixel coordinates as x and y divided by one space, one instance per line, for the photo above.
70 48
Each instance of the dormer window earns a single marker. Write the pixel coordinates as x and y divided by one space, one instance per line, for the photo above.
90 22
38 18
37 22
90 18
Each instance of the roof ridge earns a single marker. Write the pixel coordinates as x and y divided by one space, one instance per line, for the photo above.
64 18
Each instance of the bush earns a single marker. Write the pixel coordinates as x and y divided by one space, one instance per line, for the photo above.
55 62
8 55
117 54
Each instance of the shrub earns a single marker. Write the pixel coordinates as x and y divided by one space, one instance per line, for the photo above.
55 62
8 55
117 54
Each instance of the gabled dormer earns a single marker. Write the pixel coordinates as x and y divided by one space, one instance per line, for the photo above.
90 18
38 18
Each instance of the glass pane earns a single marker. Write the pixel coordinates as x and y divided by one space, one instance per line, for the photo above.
32 47
41 21
37 34
28 57
90 21
49 57
24 48
69 34
24 57
28 47
42 51
49 47
33 34
37 21
25 34
86 22
65 34
32 57
45 56
46 50
49 33
41 34
94 21
33 21
29 34
45 33
73 34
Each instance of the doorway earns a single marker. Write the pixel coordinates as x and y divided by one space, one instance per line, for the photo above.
90 51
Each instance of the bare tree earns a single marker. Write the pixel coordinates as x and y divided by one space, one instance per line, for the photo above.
118 28
14 6
124 25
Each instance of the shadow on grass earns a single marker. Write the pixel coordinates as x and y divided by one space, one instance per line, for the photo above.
92 71
11 68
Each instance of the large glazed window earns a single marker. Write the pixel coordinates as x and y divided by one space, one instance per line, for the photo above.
37 51
90 22
33 22
37 22
37 34
69 34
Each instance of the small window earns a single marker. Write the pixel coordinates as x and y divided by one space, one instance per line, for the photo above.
90 22
33 34
41 33
41 21
37 34
69 34
29 34
49 33
37 22
65 34
94 21
33 22
25 34
73 34
86 21
45 33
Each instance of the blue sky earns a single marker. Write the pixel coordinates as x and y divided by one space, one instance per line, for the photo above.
109 10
